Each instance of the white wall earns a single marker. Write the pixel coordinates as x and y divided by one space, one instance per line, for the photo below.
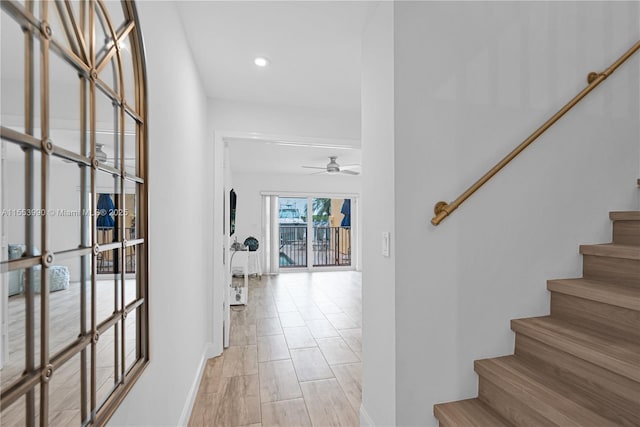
378 216
64 196
220 241
234 116
472 80
4 255
181 235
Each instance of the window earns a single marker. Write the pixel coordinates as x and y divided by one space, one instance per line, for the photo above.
314 232
74 339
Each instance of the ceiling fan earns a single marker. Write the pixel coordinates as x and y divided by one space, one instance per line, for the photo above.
333 167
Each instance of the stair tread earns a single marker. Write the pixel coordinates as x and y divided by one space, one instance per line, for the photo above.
543 393
612 250
594 290
616 355
624 215
468 413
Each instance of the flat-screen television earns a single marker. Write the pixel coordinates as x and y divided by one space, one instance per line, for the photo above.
233 199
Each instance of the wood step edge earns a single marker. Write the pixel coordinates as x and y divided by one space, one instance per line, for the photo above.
540 397
609 394
616 355
593 290
612 250
468 413
624 216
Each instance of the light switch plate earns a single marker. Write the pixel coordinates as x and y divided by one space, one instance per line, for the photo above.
386 243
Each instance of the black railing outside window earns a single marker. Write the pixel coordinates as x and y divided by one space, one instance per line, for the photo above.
331 246
293 245
108 262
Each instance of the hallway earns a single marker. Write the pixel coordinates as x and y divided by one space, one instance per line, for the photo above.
294 359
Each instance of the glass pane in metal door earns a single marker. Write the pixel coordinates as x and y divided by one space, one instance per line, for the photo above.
293 232
331 232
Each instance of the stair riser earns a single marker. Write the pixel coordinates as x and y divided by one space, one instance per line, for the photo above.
467 413
626 232
617 321
578 367
508 405
619 396
620 271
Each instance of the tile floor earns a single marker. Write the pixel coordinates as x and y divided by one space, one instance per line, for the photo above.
295 356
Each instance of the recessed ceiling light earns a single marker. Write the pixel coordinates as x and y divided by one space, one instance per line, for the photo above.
261 62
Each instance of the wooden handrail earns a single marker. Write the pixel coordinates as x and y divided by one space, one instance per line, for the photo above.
444 209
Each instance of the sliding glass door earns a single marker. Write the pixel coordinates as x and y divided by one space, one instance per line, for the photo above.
293 215
331 233
314 232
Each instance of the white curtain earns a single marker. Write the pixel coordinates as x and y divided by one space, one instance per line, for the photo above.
271 232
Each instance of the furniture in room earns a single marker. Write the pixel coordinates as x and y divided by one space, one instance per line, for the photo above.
238 295
250 259
253 262
58 275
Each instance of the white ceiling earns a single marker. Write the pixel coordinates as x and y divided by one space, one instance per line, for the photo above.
265 156
313 48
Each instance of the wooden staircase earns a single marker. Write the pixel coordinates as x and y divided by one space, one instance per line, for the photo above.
579 366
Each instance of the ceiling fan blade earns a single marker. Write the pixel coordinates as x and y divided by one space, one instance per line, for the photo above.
348 172
318 173
314 167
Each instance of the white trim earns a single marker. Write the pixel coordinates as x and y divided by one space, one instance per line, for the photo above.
313 194
207 353
292 140
365 419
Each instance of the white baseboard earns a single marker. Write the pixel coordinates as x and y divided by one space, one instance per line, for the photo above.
365 419
207 353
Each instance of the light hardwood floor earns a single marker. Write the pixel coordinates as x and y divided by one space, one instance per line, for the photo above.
295 356
64 394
